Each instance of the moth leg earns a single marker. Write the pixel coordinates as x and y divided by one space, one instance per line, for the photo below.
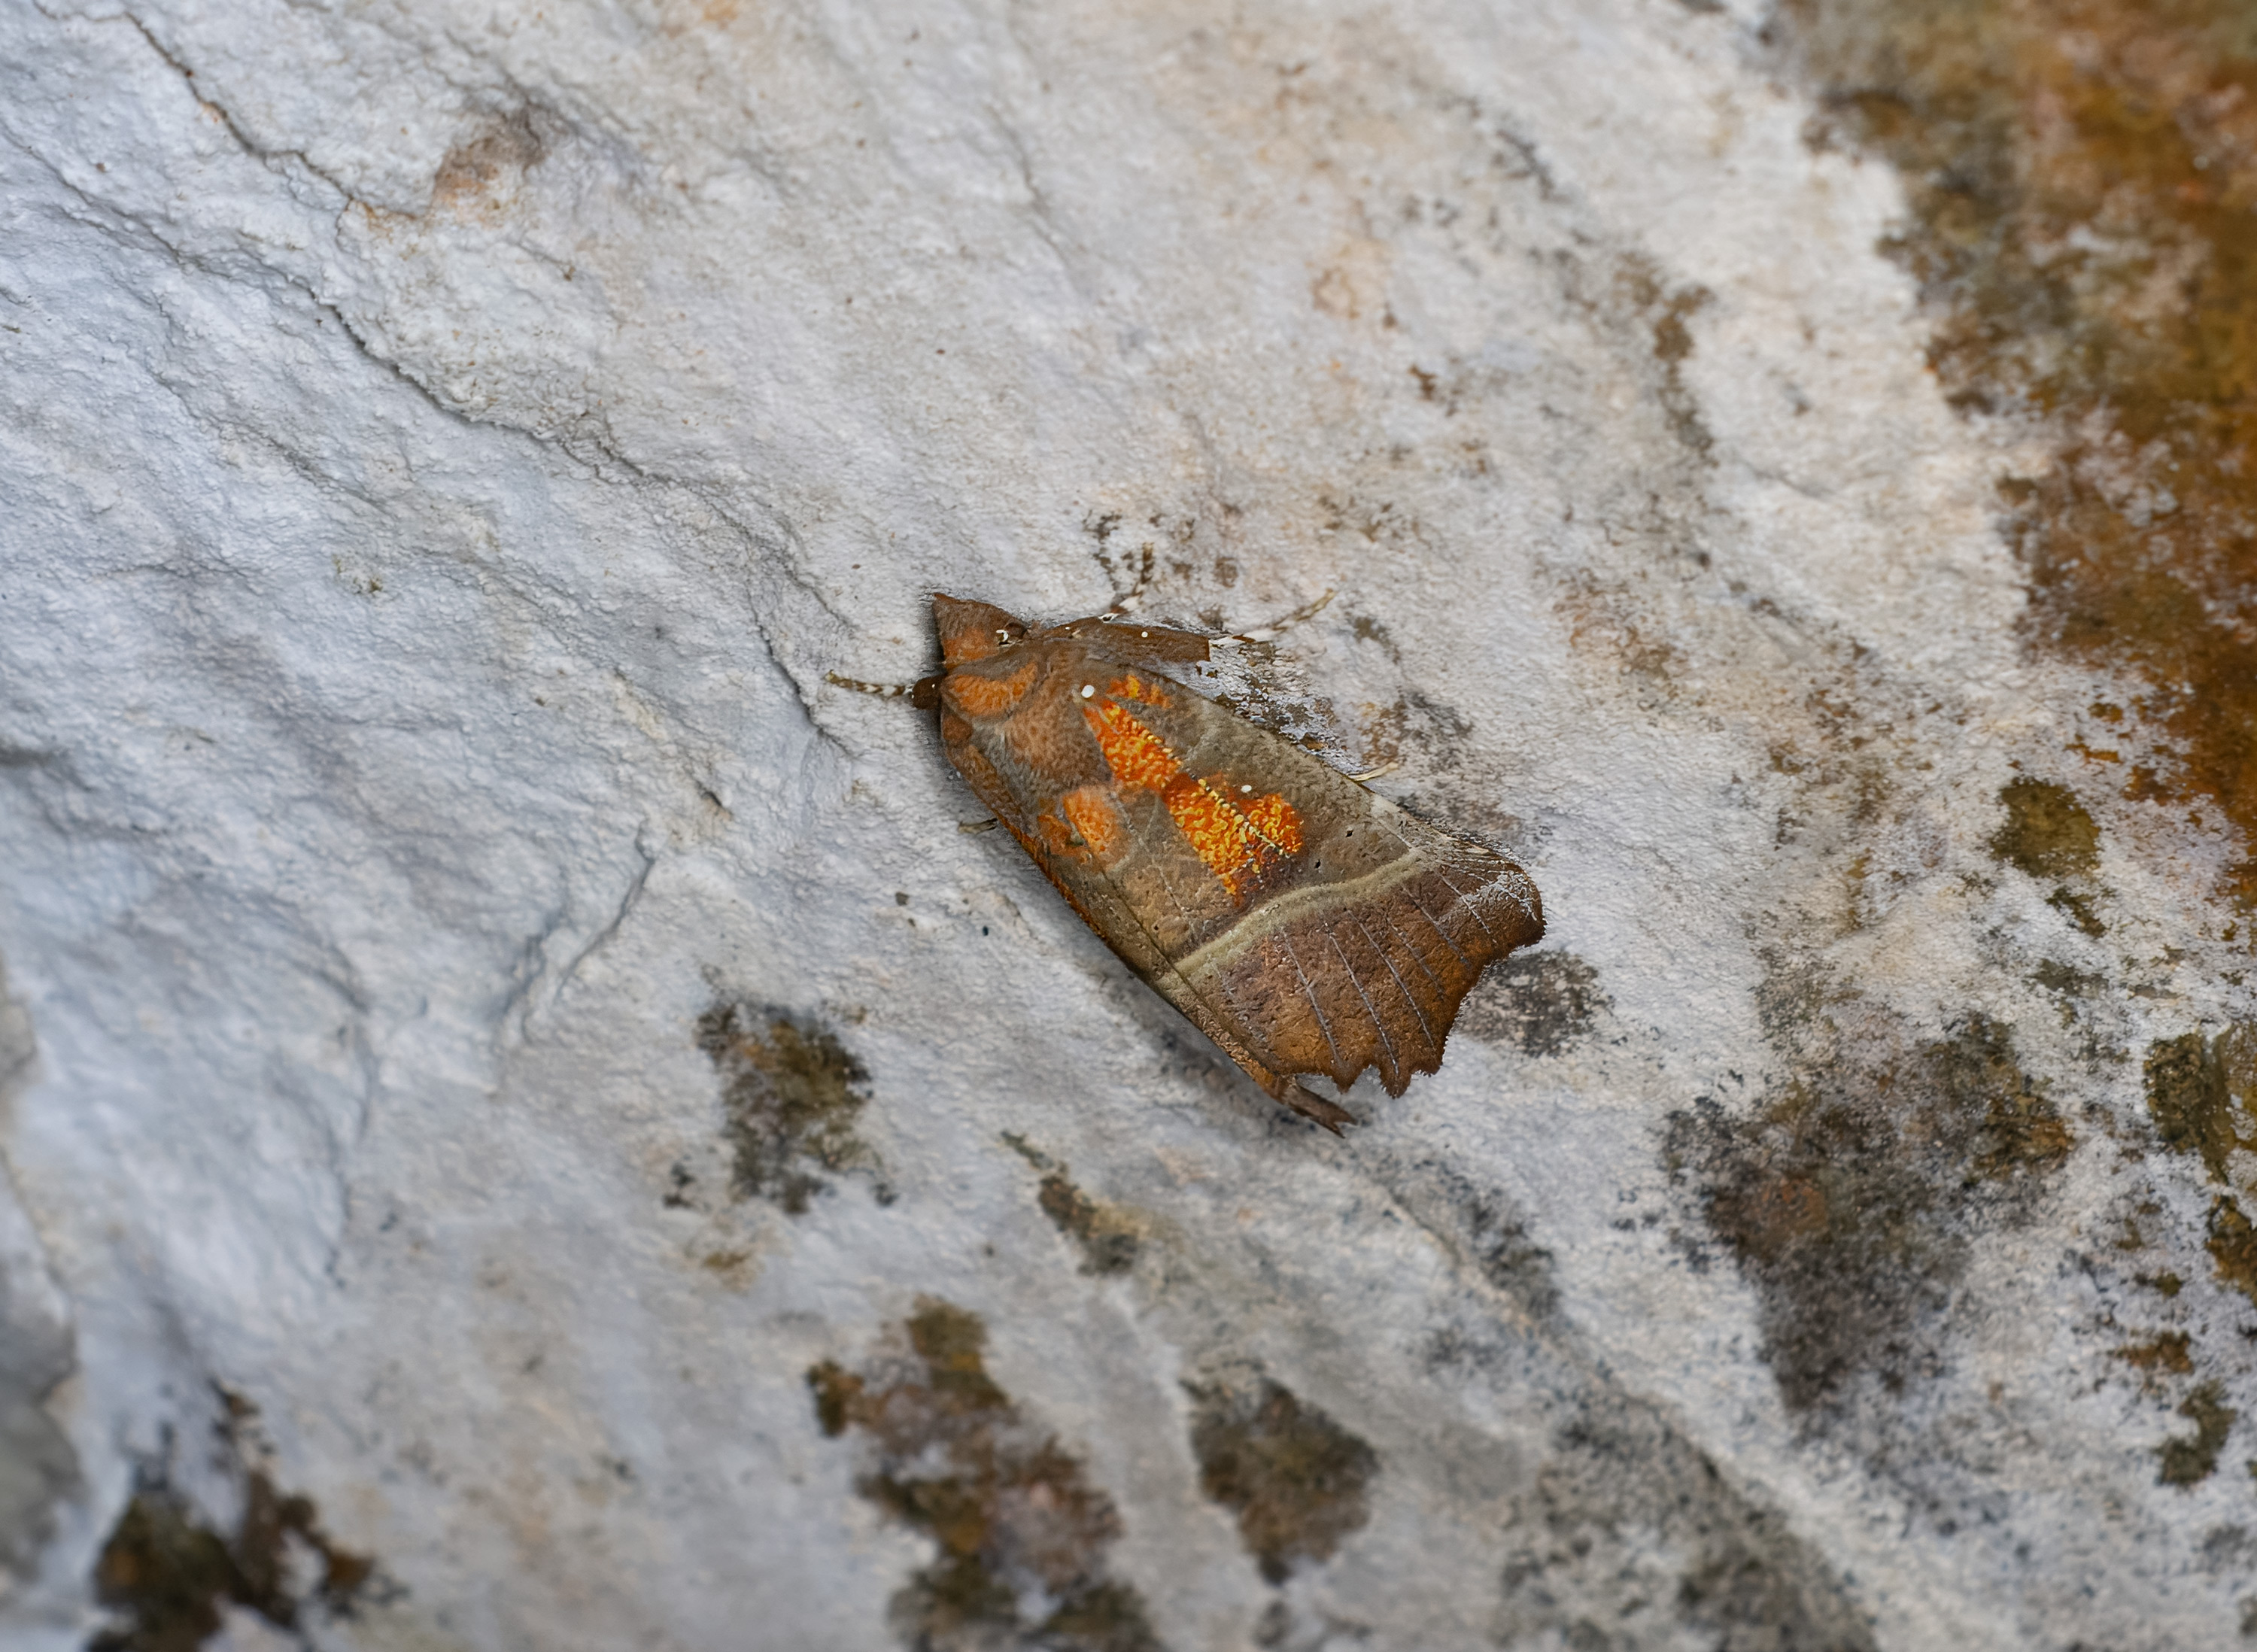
1309 1105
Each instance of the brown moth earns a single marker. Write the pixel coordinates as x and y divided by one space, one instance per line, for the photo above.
1303 923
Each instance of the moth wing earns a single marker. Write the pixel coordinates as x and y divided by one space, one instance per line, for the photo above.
1105 908
1357 952
1102 905
1145 647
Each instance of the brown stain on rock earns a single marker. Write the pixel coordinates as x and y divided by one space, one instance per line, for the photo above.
2166 1352
165 1573
1852 1195
790 1096
2048 833
2202 1093
1295 1478
1109 1239
2081 175
2231 1242
487 165
1022 1534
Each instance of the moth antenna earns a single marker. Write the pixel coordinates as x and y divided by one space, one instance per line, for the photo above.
971 827
1370 775
919 694
1128 601
1264 633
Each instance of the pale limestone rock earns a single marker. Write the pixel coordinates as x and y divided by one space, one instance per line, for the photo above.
447 448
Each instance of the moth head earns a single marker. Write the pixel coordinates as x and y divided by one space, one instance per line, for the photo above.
971 632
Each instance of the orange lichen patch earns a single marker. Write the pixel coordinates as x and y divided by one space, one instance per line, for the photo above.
978 696
1092 812
1277 823
2082 176
1133 753
1135 688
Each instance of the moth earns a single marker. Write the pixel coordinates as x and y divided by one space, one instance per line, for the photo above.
1303 923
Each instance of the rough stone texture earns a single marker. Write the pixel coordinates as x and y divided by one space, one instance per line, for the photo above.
544 1133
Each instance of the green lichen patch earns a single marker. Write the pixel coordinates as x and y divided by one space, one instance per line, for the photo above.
2189 1462
2080 180
2202 1093
1295 1478
1021 1534
165 1573
1851 1197
790 1097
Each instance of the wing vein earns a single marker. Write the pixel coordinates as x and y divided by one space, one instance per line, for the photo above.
1378 1026
1400 985
1310 992
1466 902
1419 907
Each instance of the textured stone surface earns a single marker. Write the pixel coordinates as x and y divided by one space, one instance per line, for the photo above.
529 1124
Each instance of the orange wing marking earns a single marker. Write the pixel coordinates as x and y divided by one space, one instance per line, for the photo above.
982 696
1090 811
1235 842
1275 822
1132 751
1135 687
1217 833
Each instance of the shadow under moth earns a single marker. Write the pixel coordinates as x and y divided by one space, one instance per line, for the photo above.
1303 923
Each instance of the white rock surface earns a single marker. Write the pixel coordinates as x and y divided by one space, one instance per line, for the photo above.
448 446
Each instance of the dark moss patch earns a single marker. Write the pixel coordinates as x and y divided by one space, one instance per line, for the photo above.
790 1097
1850 1197
2078 910
1638 1540
1108 1245
2080 186
2202 1093
2048 832
2189 1462
1543 1002
1295 1479
1108 1237
165 1573
1022 1535
2166 1352
2232 1245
